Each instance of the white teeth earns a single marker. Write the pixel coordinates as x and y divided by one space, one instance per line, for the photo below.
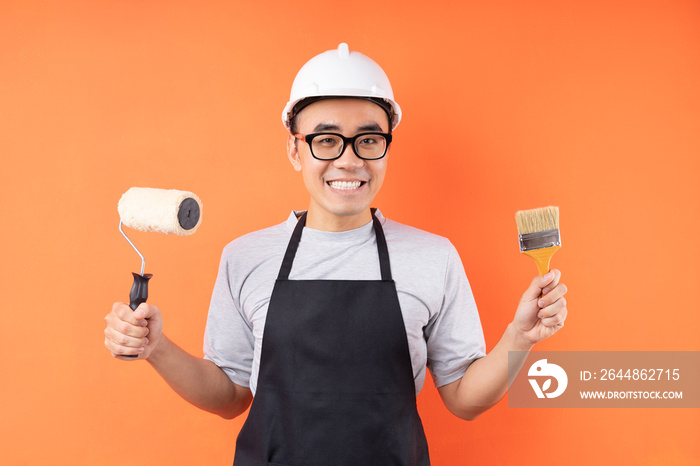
345 184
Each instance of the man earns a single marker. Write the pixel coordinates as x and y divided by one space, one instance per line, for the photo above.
330 318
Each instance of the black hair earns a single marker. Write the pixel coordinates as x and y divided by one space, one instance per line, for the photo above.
386 106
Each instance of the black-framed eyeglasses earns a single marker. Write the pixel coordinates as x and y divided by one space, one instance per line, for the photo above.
330 146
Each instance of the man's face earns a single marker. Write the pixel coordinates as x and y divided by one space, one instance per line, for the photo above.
341 190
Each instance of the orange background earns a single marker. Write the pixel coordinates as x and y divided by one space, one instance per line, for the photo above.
592 106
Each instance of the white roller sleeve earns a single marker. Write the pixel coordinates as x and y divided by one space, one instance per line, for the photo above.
150 209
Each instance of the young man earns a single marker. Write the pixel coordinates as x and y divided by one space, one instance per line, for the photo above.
330 318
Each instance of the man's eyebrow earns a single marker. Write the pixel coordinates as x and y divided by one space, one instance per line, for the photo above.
321 127
370 127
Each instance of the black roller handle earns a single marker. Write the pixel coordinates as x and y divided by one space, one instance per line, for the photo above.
138 295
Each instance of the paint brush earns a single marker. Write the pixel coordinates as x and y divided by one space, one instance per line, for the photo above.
538 232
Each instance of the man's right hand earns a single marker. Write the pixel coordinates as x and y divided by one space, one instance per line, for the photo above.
197 380
133 332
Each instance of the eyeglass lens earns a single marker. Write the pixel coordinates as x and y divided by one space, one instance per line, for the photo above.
367 146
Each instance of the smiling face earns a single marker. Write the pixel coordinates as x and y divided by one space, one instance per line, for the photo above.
341 190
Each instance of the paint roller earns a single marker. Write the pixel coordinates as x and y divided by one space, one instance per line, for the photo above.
166 211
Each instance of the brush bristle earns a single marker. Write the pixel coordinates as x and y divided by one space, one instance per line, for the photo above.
540 219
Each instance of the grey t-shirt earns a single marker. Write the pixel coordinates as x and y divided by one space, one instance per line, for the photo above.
442 323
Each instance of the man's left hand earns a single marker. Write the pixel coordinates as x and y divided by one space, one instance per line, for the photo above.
542 309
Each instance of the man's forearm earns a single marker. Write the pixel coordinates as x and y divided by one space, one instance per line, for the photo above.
486 380
540 313
199 381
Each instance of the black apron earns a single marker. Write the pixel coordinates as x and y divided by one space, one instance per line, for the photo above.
335 386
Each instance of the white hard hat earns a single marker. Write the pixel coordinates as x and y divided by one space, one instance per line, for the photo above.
342 73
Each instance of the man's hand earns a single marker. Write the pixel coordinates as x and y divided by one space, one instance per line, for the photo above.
197 380
133 332
541 312
542 309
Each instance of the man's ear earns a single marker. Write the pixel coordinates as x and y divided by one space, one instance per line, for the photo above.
293 152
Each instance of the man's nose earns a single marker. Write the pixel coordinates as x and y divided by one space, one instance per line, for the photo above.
348 159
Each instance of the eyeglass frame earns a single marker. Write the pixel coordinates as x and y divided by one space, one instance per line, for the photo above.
308 138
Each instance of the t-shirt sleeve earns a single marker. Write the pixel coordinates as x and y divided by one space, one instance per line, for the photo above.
455 337
228 337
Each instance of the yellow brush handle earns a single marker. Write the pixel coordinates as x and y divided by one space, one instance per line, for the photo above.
542 257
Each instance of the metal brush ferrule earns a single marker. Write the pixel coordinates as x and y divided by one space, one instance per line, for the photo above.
143 261
539 240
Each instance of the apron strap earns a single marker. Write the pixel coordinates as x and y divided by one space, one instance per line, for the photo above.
384 264
292 249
